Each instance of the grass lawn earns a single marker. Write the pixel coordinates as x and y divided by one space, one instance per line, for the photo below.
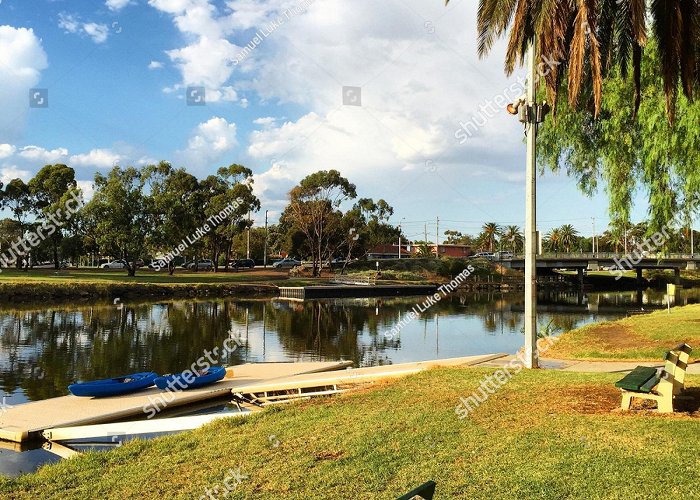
545 434
142 276
643 337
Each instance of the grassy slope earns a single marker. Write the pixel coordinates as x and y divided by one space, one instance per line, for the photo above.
643 337
142 276
544 435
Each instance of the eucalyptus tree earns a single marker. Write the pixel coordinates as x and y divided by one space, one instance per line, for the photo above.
119 213
174 209
51 190
312 210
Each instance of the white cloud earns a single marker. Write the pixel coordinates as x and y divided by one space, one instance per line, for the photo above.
97 158
265 120
73 24
116 5
88 189
41 156
7 150
155 65
22 59
8 173
209 142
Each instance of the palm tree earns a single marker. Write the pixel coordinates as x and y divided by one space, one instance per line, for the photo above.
514 236
491 232
568 236
553 240
581 41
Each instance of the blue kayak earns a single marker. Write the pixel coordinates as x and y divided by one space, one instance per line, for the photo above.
187 380
114 386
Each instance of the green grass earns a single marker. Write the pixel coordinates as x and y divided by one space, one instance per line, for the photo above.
545 434
142 276
643 337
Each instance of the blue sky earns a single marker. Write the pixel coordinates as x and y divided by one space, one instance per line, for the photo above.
117 73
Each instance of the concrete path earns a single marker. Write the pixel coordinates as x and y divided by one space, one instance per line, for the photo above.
573 365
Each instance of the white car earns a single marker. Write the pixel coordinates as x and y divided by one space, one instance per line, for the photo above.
202 265
286 263
115 264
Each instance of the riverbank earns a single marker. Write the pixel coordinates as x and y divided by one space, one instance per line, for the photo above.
505 448
644 337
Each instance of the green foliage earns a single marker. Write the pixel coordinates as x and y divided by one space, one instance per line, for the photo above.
629 155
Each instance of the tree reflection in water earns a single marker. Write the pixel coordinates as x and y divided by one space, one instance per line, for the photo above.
44 350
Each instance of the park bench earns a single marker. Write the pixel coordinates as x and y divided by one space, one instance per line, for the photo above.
662 385
424 492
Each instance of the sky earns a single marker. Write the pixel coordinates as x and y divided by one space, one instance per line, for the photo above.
376 90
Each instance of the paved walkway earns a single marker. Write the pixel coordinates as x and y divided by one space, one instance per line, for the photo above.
573 365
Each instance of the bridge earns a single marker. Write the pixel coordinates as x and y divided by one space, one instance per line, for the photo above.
612 262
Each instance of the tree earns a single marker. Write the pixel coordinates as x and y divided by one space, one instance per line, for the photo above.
583 41
491 232
568 236
229 192
553 240
513 236
50 190
174 208
312 210
17 199
118 209
646 154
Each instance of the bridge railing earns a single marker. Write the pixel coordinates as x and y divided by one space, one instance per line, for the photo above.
609 256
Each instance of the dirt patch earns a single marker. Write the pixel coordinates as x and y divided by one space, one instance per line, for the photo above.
609 338
328 455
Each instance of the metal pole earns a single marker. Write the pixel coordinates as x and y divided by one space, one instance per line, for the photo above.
248 243
593 240
437 237
531 219
265 256
399 241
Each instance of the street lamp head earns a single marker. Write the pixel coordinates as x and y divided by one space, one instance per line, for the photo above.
514 107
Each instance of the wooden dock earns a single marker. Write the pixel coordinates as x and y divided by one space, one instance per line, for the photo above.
27 421
354 291
352 376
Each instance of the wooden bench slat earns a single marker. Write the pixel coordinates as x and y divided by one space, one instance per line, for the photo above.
637 378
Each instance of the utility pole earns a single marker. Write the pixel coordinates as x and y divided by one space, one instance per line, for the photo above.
425 230
265 255
399 241
594 237
437 237
248 244
531 356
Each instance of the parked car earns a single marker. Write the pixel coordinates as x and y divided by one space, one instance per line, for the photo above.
247 263
483 255
115 264
286 263
503 255
202 265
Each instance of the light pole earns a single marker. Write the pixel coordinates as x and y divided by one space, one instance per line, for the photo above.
594 238
265 253
402 219
531 114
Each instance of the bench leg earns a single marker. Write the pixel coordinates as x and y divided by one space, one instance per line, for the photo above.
626 400
666 405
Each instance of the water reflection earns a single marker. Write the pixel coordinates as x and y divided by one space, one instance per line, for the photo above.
42 351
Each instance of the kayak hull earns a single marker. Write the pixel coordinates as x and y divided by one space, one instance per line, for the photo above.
186 380
116 386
